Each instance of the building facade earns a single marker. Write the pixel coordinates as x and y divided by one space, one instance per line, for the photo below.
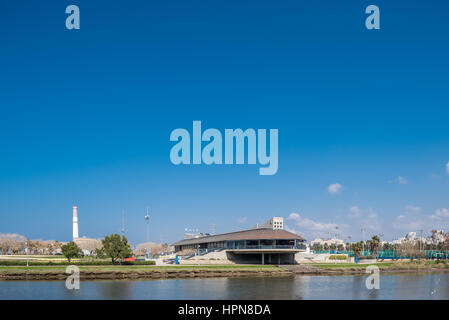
260 245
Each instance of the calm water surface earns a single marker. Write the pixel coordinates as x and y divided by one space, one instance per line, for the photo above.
392 286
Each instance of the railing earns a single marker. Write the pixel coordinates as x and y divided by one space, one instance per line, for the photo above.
390 254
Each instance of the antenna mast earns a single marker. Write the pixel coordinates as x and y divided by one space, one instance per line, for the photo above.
123 223
147 219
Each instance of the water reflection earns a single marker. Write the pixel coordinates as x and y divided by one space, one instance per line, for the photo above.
392 286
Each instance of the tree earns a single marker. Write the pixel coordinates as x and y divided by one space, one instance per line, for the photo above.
152 248
71 250
11 243
445 241
374 245
357 248
91 245
409 249
116 248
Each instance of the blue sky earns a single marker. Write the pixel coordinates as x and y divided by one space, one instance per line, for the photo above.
86 115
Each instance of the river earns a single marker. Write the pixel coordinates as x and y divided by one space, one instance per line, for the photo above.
392 286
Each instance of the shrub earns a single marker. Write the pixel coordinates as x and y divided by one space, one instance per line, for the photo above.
337 257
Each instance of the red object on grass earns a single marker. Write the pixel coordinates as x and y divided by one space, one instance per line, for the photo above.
130 259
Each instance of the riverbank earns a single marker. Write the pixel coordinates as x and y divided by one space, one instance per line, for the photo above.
208 271
141 272
384 267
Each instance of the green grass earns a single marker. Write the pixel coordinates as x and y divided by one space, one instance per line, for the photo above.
146 268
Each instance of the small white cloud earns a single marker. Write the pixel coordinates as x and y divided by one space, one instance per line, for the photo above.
447 167
294 216
402 180
335 188
355 212
399 180
412 209
243 220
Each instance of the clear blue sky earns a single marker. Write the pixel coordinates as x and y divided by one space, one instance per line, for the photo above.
86 115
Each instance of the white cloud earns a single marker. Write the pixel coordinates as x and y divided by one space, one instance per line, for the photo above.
410 220
293 216
406 223
412 209
312 228
243 220
366 218
399 180
355 212
335 188
440 213
414 220
447 167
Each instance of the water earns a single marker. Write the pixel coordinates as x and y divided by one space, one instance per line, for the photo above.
392 286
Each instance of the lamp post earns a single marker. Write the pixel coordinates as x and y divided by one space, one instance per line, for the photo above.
363 240
26 250
147 220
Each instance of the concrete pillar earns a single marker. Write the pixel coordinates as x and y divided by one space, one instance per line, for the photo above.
263 258
279 258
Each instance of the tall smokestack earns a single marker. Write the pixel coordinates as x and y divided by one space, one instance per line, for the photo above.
75 223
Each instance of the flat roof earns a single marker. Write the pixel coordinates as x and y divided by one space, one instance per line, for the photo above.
252 234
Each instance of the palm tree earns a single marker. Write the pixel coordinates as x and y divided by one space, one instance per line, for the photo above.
374 245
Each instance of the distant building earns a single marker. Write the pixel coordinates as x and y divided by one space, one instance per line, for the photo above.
412 238
437 237
322 242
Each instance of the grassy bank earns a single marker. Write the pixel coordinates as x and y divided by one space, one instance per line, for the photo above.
400 266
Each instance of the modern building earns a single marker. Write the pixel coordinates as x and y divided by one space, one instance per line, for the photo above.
263 245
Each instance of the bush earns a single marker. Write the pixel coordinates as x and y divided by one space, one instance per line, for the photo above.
366 257
337 257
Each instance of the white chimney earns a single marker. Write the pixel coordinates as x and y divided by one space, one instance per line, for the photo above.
75 223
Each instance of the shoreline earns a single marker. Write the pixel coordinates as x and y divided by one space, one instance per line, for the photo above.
185 272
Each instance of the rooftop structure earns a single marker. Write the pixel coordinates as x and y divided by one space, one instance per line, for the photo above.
274 223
